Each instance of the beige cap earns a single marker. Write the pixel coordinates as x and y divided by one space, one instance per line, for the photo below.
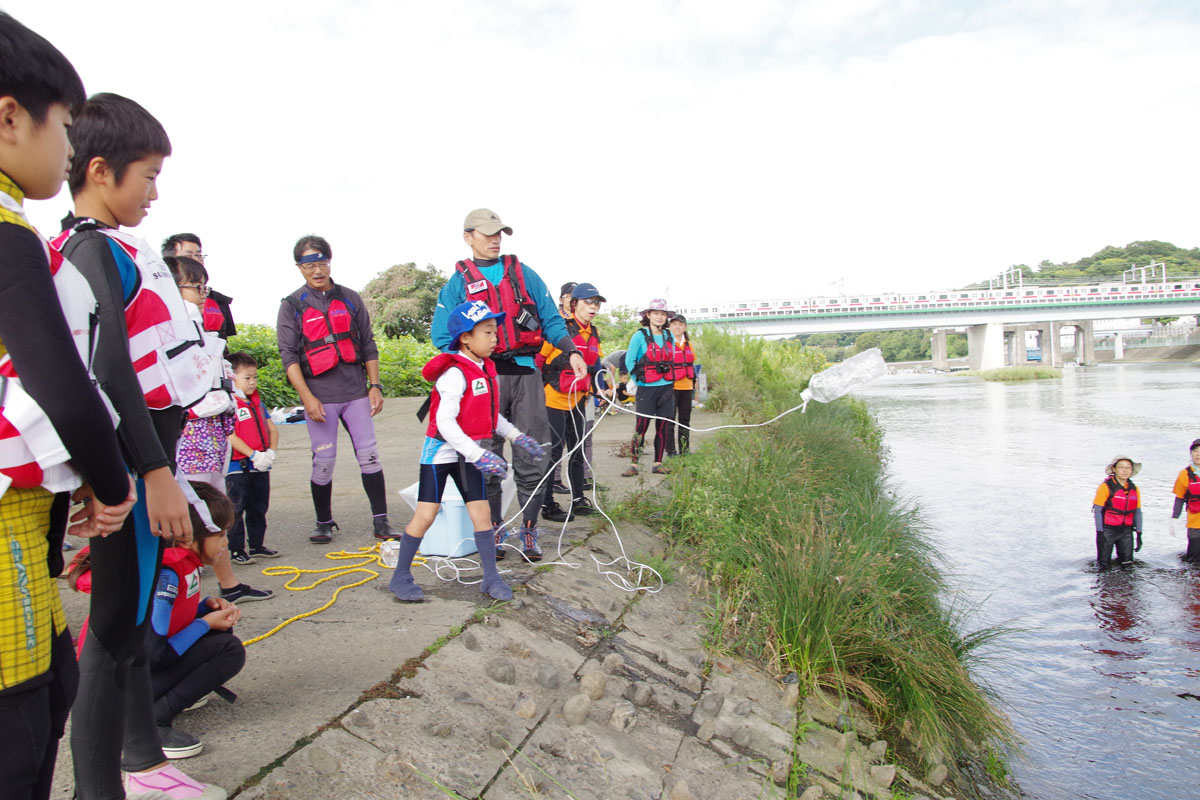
486 222
1113 463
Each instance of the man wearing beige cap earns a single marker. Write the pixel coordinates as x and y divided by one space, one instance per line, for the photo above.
531 316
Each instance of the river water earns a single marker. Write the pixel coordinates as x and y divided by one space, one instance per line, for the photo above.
1102 676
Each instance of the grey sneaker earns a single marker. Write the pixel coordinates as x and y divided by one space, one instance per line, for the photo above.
177 744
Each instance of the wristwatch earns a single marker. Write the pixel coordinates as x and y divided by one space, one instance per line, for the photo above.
378 386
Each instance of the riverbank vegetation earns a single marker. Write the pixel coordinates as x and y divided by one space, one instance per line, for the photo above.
815 567
1008 374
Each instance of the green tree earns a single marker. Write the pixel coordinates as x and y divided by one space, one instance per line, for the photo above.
401 300
616 326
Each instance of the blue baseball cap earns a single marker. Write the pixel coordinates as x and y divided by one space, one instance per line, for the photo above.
466 316
586 291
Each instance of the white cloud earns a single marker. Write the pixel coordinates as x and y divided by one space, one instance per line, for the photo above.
764 148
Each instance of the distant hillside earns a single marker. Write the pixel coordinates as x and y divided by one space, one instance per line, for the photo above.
1110 262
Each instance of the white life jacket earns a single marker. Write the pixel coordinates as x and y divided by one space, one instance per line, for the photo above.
175 363
31 452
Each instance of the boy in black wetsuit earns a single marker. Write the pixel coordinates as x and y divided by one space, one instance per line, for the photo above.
119 151
39 91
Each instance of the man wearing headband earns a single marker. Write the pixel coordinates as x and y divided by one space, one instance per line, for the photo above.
329 353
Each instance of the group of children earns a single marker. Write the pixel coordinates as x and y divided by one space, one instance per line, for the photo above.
1117 510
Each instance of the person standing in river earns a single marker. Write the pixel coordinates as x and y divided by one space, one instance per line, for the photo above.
1187 493
1117 509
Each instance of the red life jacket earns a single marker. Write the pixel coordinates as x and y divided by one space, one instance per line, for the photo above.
480 405
557 371
1120 505
250 427
327 337
685 361
657 363
185 563
175 364
31 452
214 317
1192 495
511 297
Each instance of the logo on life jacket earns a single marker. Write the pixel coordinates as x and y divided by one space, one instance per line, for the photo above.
479 386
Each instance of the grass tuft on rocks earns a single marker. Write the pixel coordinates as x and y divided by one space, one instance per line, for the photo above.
1010 374
814 566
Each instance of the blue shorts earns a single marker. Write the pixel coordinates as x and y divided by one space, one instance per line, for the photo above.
466 477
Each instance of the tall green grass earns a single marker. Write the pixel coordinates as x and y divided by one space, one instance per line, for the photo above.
1009 374
815 566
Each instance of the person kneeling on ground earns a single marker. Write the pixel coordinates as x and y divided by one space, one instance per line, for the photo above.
192 648
465 412
1117 509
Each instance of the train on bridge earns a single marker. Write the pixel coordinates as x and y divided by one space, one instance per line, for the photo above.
1057 296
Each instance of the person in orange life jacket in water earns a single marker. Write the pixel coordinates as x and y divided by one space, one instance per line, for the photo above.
531 317
249 480
192 647
465 414
1117 509
648 360
1187 495
567 398
218 317
328 350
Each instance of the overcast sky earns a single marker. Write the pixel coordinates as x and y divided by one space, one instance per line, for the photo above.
703 150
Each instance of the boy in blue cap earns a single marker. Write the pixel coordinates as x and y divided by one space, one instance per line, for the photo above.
465 415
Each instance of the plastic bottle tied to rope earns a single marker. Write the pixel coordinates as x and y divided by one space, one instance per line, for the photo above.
830 384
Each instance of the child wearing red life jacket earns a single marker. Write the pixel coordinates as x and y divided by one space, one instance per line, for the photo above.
567 399
249 480
1117 509
464 415
192 648
1187 493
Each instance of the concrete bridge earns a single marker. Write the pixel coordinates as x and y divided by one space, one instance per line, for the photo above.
995 319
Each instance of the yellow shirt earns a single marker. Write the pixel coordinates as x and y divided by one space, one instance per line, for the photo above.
555 398
31 612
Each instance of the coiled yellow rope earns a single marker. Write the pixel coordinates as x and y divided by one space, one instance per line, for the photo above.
368 555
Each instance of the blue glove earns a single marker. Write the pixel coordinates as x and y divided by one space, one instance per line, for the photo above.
531 446
491 464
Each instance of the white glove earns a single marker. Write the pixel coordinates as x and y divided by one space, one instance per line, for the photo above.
1171 529
262 461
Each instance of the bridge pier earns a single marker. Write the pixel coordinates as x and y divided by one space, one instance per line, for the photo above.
1118 346
1085 349
985 346
1053 331
1018 355
941 359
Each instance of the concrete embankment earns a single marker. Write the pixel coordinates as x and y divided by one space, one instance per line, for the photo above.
574 689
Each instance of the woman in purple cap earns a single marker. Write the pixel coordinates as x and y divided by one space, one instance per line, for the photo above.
649 360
